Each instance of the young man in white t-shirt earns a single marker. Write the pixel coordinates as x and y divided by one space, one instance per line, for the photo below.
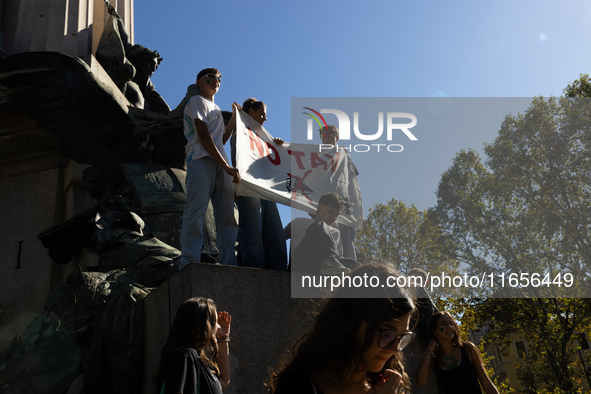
208 173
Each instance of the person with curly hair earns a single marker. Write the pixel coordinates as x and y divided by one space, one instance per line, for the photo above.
355 344
456 363
196 356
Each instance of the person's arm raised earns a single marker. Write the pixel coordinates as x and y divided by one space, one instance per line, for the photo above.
426 367
232 123
223 339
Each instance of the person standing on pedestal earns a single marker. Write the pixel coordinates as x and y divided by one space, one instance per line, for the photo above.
330 136
208 173
261 238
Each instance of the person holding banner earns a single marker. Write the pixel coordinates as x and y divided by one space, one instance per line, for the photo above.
330 136
261 239
209 176
294 174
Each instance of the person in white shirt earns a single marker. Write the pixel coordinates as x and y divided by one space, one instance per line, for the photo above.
208 173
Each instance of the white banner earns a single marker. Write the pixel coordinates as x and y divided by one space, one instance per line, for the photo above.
296 175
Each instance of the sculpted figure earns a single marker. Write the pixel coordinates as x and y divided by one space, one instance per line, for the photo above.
140 91
130 66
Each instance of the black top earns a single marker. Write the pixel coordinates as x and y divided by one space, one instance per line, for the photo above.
460 380
296 382
316 246
182 370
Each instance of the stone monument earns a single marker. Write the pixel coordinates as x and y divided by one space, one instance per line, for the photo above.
39 184
104 195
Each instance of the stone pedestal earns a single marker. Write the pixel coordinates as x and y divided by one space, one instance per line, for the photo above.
40 187
32 173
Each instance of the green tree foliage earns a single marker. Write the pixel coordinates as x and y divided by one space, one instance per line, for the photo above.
502 384
550 327
579 88
528 207
404 237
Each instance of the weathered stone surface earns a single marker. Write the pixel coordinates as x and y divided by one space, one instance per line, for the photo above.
65 241
157 188
98 70
45 360
93 324
114 364
79 115
101 311
73 28
26 210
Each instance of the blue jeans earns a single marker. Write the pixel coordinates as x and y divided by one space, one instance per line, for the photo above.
206 179
262 242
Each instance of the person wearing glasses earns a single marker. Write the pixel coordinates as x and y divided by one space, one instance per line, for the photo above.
355 344
209 176
457 364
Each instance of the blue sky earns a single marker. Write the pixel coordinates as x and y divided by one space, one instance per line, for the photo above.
275 50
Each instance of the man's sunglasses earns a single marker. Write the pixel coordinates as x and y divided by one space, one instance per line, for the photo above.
388 336
213 76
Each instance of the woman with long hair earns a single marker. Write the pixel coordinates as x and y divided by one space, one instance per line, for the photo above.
456 363
195 358
355 344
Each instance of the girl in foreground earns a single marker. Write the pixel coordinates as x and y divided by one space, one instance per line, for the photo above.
355 344
456 363
195 359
